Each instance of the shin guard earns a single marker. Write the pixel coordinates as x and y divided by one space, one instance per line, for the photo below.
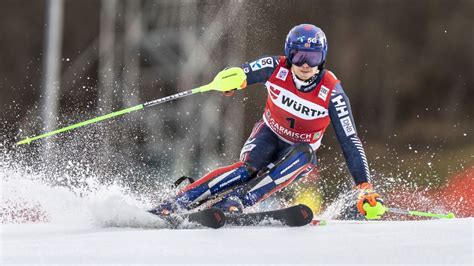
295 163
212 184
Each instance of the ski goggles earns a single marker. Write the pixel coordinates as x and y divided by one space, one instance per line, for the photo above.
311 58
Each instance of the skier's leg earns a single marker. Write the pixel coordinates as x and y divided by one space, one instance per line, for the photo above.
213 183
297 162
261 147
259 150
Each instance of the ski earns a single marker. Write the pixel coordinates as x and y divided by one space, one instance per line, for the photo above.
297 215
212 218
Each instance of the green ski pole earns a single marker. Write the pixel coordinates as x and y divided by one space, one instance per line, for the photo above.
376 212
226 80
418 213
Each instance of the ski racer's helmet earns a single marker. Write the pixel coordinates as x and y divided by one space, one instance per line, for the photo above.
306 43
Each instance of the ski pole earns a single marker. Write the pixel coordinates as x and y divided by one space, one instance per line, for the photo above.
226 80
418 213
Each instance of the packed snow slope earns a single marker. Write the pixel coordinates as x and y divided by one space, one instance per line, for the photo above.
408 242
43 224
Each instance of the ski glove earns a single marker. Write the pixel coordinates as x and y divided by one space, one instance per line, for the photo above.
234 71
369 203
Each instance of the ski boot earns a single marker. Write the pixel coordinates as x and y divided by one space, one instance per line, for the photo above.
209 186
165 209
230 204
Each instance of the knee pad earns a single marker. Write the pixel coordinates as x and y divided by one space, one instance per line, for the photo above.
300 149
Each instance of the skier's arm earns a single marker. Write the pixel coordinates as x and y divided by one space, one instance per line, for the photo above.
369 202
260 70
344 126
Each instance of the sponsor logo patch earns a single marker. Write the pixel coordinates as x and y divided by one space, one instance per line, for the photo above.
347 126
317 135
289 134
274 93
340 105
323 93
261 63
295 105
282 74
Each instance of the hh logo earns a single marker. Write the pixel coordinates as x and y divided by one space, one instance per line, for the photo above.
274 93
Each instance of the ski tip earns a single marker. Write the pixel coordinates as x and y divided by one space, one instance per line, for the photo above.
305 213
219 217
213 218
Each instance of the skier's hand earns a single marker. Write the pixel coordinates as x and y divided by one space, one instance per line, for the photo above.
230 79
369 203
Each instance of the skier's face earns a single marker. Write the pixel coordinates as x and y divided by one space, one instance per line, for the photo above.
304 72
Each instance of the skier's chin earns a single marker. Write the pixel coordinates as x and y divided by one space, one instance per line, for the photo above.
304 73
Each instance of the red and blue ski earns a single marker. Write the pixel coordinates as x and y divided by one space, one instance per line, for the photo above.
298 215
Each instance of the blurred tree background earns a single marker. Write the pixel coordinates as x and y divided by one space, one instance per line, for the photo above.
406 65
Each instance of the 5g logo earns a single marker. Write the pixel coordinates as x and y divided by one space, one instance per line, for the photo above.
261 63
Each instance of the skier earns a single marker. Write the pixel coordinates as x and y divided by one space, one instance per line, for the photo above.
303 99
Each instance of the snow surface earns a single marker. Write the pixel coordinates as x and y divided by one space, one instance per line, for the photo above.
109 226
409 242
